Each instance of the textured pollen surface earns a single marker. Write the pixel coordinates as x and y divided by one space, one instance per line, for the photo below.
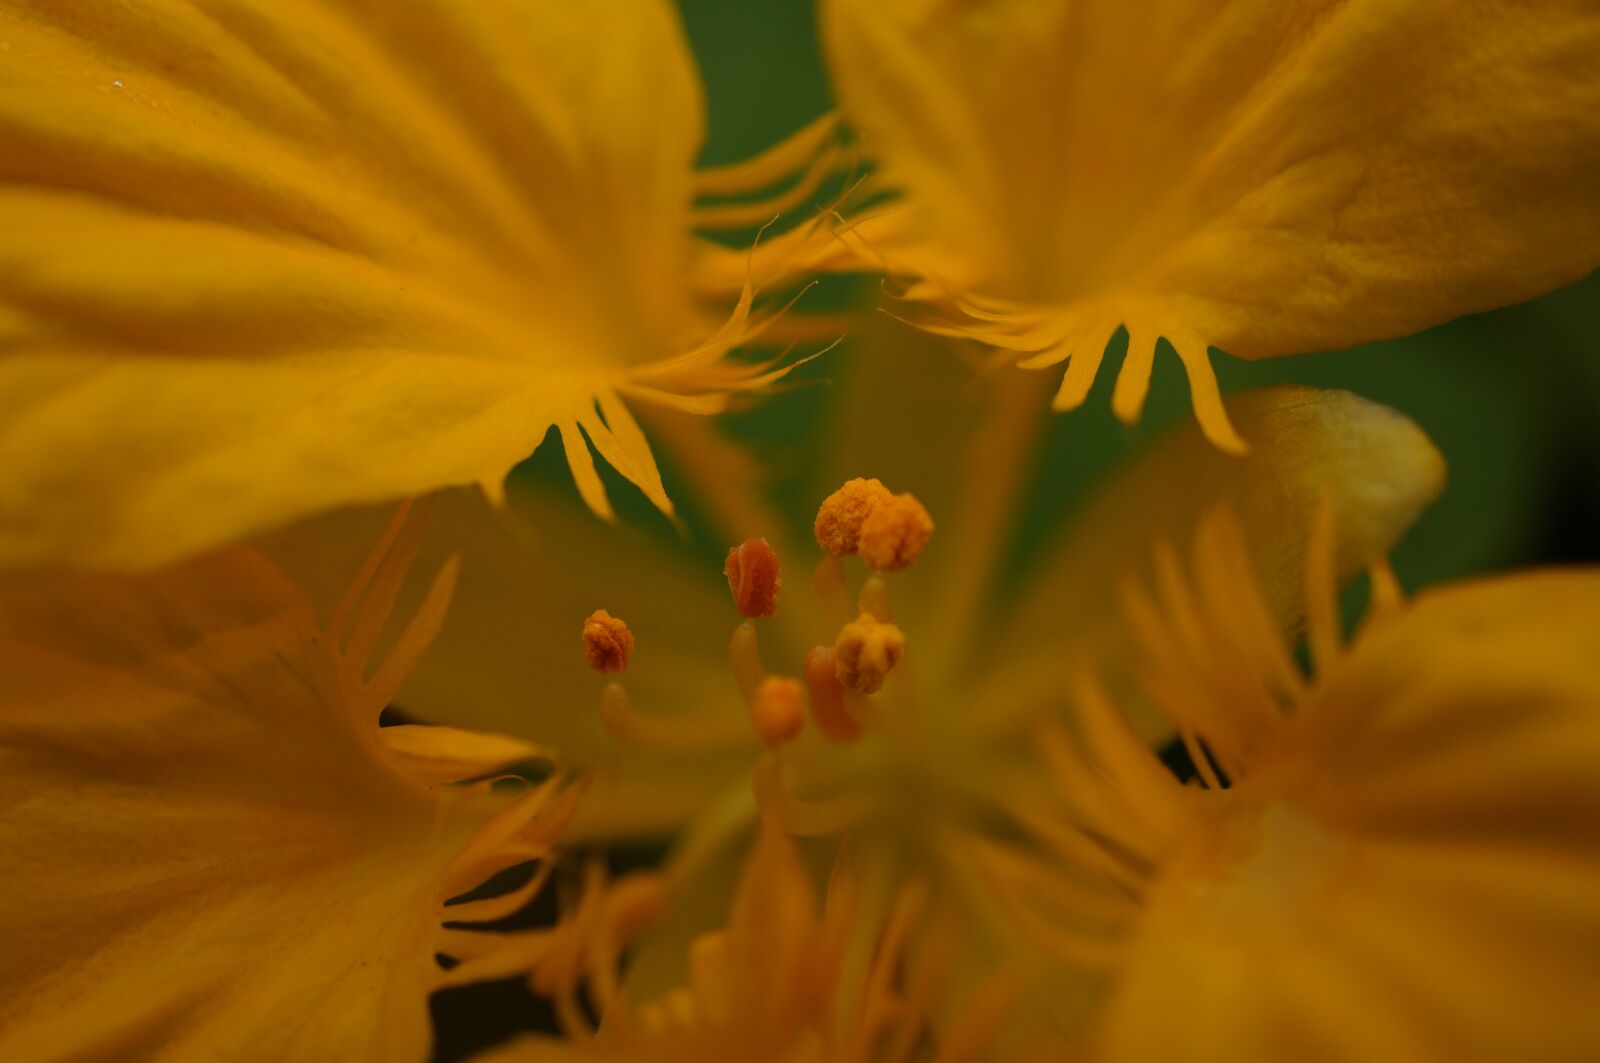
607 642
894 533
839 518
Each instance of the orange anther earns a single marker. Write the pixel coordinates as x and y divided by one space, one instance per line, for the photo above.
866 651
607 642
894 533
828 709
838 526
753 577
779 710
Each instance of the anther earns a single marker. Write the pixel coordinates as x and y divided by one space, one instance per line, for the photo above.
839 518
894 532
828 709
607 642
866 651
778 712
753 577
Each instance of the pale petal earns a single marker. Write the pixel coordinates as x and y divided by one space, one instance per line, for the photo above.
1378 466
1263 177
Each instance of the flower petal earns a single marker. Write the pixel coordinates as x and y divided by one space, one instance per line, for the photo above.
1379 467
1434 894
264 259
1267 178
206 853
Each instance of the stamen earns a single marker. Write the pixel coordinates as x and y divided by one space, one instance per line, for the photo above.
681 732
608 646
778 712
744 657
607 642
866 651
754 577
828 709
874 599
894 532
839 518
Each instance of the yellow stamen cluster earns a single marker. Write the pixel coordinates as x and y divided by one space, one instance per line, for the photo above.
888 531
866 651
607 642
754 578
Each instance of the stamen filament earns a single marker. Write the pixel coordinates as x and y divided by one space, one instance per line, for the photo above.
827 586
874 599
744 657
700 731
831 702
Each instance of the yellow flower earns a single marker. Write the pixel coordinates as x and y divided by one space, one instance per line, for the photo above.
1263 177
1395 858
211 847
262 258
914 783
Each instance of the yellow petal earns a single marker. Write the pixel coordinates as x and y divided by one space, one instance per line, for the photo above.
1264 177
260 260
1379 467
207 853
772 935
448 755
1423 882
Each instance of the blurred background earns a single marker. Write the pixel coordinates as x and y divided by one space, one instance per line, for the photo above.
1511 398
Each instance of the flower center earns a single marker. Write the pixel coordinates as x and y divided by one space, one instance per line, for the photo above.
838 746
